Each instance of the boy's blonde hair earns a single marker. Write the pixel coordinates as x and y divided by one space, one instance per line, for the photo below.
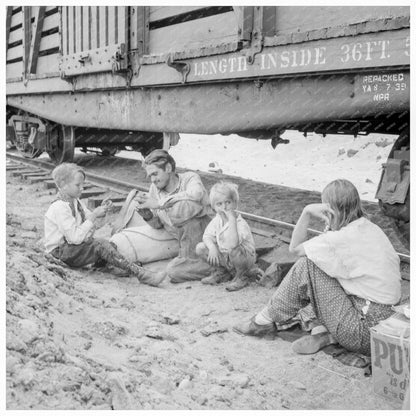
65 172
227 189
343 197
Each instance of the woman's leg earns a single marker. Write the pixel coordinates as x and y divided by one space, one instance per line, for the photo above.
340 313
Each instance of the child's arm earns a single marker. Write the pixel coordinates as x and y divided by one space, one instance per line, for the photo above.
209 239
68 226
231 238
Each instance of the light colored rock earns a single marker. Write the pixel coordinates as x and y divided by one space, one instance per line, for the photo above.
11 364
186 383
26 376
297 385
28 234
134 359
236 380
203 375
341 151
29 330
120 397
15 344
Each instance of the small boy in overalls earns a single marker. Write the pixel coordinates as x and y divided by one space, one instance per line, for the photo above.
227 244
70 226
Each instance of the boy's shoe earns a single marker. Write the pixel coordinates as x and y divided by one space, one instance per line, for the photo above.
311 344
218 276
251 328
237 283
147 276
113 270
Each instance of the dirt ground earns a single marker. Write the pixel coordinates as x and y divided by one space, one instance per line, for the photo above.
83 339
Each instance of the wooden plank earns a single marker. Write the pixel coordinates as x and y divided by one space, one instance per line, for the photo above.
102 26
16 52
122 18
86 32
48 64
49 42
71 34
133 26
301 19
14 70
94 33
111 25
27 28
15 35
162 12
36 39
78 29
50 22
244 17
142 29
17 19
64 30
269 21
208 31
8 24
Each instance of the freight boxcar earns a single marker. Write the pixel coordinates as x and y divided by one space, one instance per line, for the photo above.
112 77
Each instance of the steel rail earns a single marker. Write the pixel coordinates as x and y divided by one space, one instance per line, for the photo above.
125 187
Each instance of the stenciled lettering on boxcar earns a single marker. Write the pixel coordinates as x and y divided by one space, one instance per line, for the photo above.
358 52
382 86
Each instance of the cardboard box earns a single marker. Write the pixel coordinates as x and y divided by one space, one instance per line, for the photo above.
390 344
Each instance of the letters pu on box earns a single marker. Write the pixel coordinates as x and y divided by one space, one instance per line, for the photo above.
390 357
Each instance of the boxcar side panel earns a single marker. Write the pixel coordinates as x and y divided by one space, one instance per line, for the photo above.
163 12
291 19
198 33
15 35
48 66
14 70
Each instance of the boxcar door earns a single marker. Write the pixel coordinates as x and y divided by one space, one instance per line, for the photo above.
94 39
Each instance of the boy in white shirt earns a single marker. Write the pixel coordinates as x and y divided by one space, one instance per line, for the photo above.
227 244
69 228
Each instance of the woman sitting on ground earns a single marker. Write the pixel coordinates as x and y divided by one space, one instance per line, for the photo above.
350 275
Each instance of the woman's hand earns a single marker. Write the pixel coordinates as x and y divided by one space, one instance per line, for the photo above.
322 211
300 233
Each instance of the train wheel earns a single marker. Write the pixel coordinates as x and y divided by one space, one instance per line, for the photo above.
62 144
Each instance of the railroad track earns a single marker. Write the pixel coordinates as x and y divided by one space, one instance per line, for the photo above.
272 236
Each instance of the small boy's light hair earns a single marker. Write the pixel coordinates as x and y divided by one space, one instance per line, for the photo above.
227 189
65 172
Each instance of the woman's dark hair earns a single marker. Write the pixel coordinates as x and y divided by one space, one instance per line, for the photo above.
160 158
